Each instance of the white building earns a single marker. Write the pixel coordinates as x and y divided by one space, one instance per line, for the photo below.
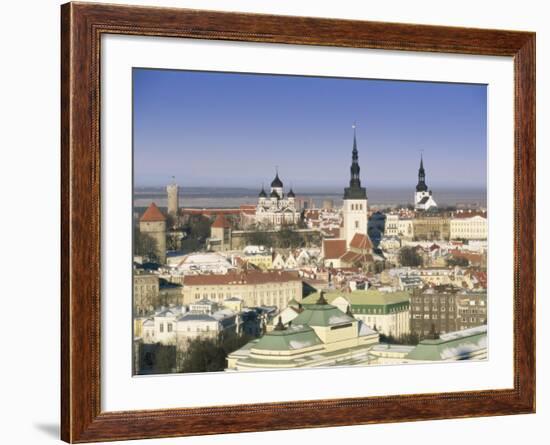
423 199
468 226
175 326
202 263
277 209
398 226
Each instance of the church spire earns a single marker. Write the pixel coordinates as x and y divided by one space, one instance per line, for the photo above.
421 186
355 191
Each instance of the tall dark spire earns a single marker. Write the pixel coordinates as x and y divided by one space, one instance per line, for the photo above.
355 191
421 186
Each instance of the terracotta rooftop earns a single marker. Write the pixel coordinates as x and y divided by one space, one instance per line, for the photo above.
248 209
353 257
334 248
220 222
360 241
249 277
152 214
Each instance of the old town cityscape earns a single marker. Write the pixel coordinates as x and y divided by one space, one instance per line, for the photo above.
287 283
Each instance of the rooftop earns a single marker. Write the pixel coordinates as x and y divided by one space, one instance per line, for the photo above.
249 277
322 315
221 222
292 338
453 345
152 214
334 248
360 241
362 297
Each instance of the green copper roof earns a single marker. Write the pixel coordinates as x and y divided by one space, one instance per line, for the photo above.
293 338
321 315
362 297
458 345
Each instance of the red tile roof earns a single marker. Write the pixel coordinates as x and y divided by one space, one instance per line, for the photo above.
333 248
353 257
248 209
250 277
221 222
152 214
361 241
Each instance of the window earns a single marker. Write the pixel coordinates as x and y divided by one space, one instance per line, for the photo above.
356 224
169 327
161 327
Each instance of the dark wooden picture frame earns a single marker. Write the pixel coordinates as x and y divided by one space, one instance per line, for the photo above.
82 26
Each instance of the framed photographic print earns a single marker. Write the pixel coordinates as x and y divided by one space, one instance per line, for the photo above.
274 222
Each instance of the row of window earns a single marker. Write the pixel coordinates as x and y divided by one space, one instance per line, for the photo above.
220 295
428 308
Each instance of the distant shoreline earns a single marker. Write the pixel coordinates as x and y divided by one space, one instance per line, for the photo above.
218 197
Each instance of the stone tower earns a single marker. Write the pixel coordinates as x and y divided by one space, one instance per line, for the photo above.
173 197
153 223
355 200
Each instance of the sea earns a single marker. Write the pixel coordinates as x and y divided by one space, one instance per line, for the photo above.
232 197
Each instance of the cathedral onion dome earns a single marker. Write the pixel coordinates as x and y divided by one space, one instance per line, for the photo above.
274 194
263 194
291 194
277 182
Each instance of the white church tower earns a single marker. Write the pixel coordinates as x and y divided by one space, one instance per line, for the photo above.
423 199
355 200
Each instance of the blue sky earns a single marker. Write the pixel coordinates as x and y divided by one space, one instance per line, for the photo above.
230 129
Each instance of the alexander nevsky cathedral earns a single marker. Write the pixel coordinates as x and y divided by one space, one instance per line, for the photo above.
277 209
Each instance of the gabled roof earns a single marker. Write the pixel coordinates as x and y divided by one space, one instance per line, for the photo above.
334 248
354 257
152 214
360 241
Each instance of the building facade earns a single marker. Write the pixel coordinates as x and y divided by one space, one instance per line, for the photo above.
255 288
146 291
397 226
464 226
471 309
446 309
433 226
